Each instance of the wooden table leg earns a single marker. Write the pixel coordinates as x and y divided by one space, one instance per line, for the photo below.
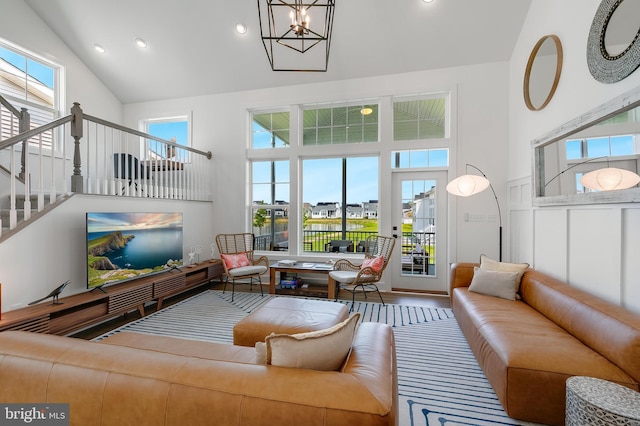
332 288
272 281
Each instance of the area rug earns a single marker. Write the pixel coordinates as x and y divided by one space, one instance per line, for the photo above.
439 380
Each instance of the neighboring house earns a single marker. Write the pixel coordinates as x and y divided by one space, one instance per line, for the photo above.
326 210
370 209
355 211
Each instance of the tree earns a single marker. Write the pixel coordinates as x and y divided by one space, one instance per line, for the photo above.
259 218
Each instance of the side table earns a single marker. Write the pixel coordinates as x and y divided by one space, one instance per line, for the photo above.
592 401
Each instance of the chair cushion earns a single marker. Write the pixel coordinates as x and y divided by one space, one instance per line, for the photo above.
235 260
323 350
343 276
374 263
247 270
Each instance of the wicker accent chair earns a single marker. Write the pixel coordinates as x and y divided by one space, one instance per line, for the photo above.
351 277
236 252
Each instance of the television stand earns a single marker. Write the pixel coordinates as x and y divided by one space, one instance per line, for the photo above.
88 308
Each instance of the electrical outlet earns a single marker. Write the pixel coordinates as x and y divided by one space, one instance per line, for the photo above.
476 217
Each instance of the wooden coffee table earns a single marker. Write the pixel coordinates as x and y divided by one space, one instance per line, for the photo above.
302 268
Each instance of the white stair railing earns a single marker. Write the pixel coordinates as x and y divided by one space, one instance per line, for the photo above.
108 159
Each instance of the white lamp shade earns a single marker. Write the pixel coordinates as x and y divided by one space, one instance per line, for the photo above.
467 185
609 179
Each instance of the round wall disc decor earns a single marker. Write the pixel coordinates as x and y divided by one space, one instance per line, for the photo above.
605 64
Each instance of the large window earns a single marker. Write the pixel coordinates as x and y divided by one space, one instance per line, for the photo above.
339 125
31 83
420 119
340 201
270 205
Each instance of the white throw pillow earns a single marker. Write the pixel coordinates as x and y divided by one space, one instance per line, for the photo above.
494 283
488 264
324 350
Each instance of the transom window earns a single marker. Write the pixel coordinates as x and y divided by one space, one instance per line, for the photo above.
420 119
341 124
420 158
270 130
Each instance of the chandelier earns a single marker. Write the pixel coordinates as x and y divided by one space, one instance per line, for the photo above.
290 29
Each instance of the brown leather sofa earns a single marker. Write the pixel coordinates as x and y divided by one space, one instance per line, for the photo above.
152 380
528 348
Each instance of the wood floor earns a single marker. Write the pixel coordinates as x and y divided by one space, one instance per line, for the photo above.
398 298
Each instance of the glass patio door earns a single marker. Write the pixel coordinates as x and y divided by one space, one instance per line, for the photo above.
420 223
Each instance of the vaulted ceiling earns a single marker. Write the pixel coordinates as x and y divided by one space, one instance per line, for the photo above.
193 48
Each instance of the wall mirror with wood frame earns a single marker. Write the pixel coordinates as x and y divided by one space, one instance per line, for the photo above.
606 136
543 72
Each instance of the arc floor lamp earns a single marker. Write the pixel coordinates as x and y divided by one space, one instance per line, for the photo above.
467 185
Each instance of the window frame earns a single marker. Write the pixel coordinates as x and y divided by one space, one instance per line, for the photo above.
55 147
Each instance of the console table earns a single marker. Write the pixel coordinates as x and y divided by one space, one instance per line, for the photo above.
91 307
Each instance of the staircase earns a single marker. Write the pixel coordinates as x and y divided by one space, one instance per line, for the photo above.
110 160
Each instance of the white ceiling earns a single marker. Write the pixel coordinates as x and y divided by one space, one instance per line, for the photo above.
194 50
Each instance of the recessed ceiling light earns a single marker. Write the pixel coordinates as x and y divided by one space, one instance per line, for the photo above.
141 43
427 1
241 28
101 50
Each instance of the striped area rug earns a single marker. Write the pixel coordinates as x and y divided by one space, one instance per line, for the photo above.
439 381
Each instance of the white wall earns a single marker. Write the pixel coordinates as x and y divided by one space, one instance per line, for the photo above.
480 133
589 246
20 25
52 249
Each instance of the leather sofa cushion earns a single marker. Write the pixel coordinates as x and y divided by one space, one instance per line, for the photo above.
609 329
192 348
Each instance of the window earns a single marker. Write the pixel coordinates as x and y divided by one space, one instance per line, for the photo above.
175 129
270 206
28 82
420 158
344 206
270 130
602 146
420 119
339 125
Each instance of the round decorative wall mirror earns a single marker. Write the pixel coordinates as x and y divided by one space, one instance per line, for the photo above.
543 72
613 48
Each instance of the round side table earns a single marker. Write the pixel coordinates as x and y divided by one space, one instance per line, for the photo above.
592 401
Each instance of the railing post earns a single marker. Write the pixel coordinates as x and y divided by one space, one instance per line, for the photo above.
24 124
76 133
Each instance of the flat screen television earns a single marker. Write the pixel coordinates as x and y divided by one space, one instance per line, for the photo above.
124 246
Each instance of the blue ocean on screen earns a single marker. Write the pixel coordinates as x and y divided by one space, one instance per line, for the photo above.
149 248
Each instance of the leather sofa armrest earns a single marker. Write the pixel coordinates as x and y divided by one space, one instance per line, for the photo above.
461 276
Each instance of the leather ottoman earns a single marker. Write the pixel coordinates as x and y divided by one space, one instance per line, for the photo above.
283 315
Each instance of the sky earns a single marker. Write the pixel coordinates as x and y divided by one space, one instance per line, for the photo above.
40 72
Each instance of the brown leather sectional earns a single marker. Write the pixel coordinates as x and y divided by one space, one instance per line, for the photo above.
153 380
528 348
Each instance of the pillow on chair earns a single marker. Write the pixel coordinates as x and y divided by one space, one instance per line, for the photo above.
323 350
233 261
374 263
